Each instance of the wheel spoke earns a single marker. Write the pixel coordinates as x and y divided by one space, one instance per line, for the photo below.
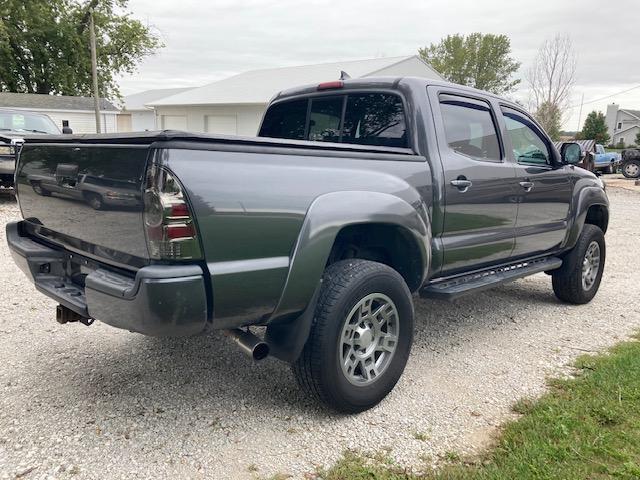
387 343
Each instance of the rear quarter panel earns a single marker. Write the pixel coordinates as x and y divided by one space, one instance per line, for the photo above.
250 209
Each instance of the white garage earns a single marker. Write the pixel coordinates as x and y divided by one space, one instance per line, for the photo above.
235 105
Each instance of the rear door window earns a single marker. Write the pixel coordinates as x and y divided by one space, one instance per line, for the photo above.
285 120
469 128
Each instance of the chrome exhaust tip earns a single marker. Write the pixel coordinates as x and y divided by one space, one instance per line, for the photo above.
249 343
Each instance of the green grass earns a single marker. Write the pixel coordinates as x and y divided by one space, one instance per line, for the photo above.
587 427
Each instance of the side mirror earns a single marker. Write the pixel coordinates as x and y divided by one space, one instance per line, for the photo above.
65 127
571 153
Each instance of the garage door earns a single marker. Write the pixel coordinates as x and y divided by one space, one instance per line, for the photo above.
222 124
174 122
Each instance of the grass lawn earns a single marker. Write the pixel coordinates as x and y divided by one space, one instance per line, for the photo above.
587 427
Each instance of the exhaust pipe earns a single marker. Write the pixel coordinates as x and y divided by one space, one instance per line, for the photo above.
250 344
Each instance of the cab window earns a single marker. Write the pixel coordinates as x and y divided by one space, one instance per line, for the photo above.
374 118
529 147
469 128
285 120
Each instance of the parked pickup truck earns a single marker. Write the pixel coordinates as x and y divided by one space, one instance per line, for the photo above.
14 125
606 161
356 195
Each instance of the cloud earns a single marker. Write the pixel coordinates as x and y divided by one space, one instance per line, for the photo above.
207 41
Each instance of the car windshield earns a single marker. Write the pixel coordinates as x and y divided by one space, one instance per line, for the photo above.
27 122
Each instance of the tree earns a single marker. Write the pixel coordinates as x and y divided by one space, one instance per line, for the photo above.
549 117
638 139
44 45
552 76
478 60
595 128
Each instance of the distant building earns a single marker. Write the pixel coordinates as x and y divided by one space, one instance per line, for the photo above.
136 116
623 124
79 111
236 104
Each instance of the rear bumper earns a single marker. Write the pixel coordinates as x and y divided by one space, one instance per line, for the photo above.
160 300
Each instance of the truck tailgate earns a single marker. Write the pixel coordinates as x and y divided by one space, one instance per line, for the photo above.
87 198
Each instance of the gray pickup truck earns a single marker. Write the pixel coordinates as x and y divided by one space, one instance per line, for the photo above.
356 195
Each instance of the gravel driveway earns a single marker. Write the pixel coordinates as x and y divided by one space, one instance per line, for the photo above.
95 402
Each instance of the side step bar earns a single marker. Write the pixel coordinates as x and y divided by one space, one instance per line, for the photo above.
476 282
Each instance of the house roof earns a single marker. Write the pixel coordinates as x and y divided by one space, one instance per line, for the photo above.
618 132
137 101
259 86
37 101
635 113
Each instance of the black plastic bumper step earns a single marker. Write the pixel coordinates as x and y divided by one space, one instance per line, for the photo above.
459 286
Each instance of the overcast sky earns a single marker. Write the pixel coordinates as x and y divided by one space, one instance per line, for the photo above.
209 40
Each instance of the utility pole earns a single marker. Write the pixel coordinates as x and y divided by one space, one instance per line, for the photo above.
580 114
94 70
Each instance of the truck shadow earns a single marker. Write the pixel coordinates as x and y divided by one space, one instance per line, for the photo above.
130 375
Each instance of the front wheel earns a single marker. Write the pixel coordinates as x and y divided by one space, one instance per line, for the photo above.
578 280
360 338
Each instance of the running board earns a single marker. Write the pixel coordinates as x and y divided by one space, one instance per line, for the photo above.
476 282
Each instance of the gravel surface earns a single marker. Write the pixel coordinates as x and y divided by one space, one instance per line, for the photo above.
79 402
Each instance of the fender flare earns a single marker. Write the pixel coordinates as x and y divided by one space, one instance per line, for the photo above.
586 198
287 329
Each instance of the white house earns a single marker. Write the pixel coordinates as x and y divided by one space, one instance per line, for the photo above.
136 116
77 110
235 105
623 124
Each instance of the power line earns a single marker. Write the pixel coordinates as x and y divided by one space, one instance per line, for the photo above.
604 98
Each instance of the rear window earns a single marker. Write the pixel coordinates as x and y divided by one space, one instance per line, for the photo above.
285 120
365 119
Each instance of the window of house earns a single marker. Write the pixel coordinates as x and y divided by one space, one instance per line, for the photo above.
529 146
469 128
619 125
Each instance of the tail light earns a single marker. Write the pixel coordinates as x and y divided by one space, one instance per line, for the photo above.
169 227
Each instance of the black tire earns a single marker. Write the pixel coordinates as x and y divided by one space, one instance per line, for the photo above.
95 201
318 370
567 281
37 187
631 169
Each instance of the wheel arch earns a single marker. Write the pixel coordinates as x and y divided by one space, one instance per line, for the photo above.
592 207
331 219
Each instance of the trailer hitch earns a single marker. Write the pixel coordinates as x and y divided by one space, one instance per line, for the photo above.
66 315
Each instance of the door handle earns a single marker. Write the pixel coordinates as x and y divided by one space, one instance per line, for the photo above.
527 185
462 184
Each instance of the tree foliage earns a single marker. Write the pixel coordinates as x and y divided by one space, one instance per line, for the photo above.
638 139
595 128
477 60
44 45
550 118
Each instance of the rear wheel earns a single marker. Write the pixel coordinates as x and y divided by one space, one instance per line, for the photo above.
360 338
37 187
578 280
95 201
631 169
